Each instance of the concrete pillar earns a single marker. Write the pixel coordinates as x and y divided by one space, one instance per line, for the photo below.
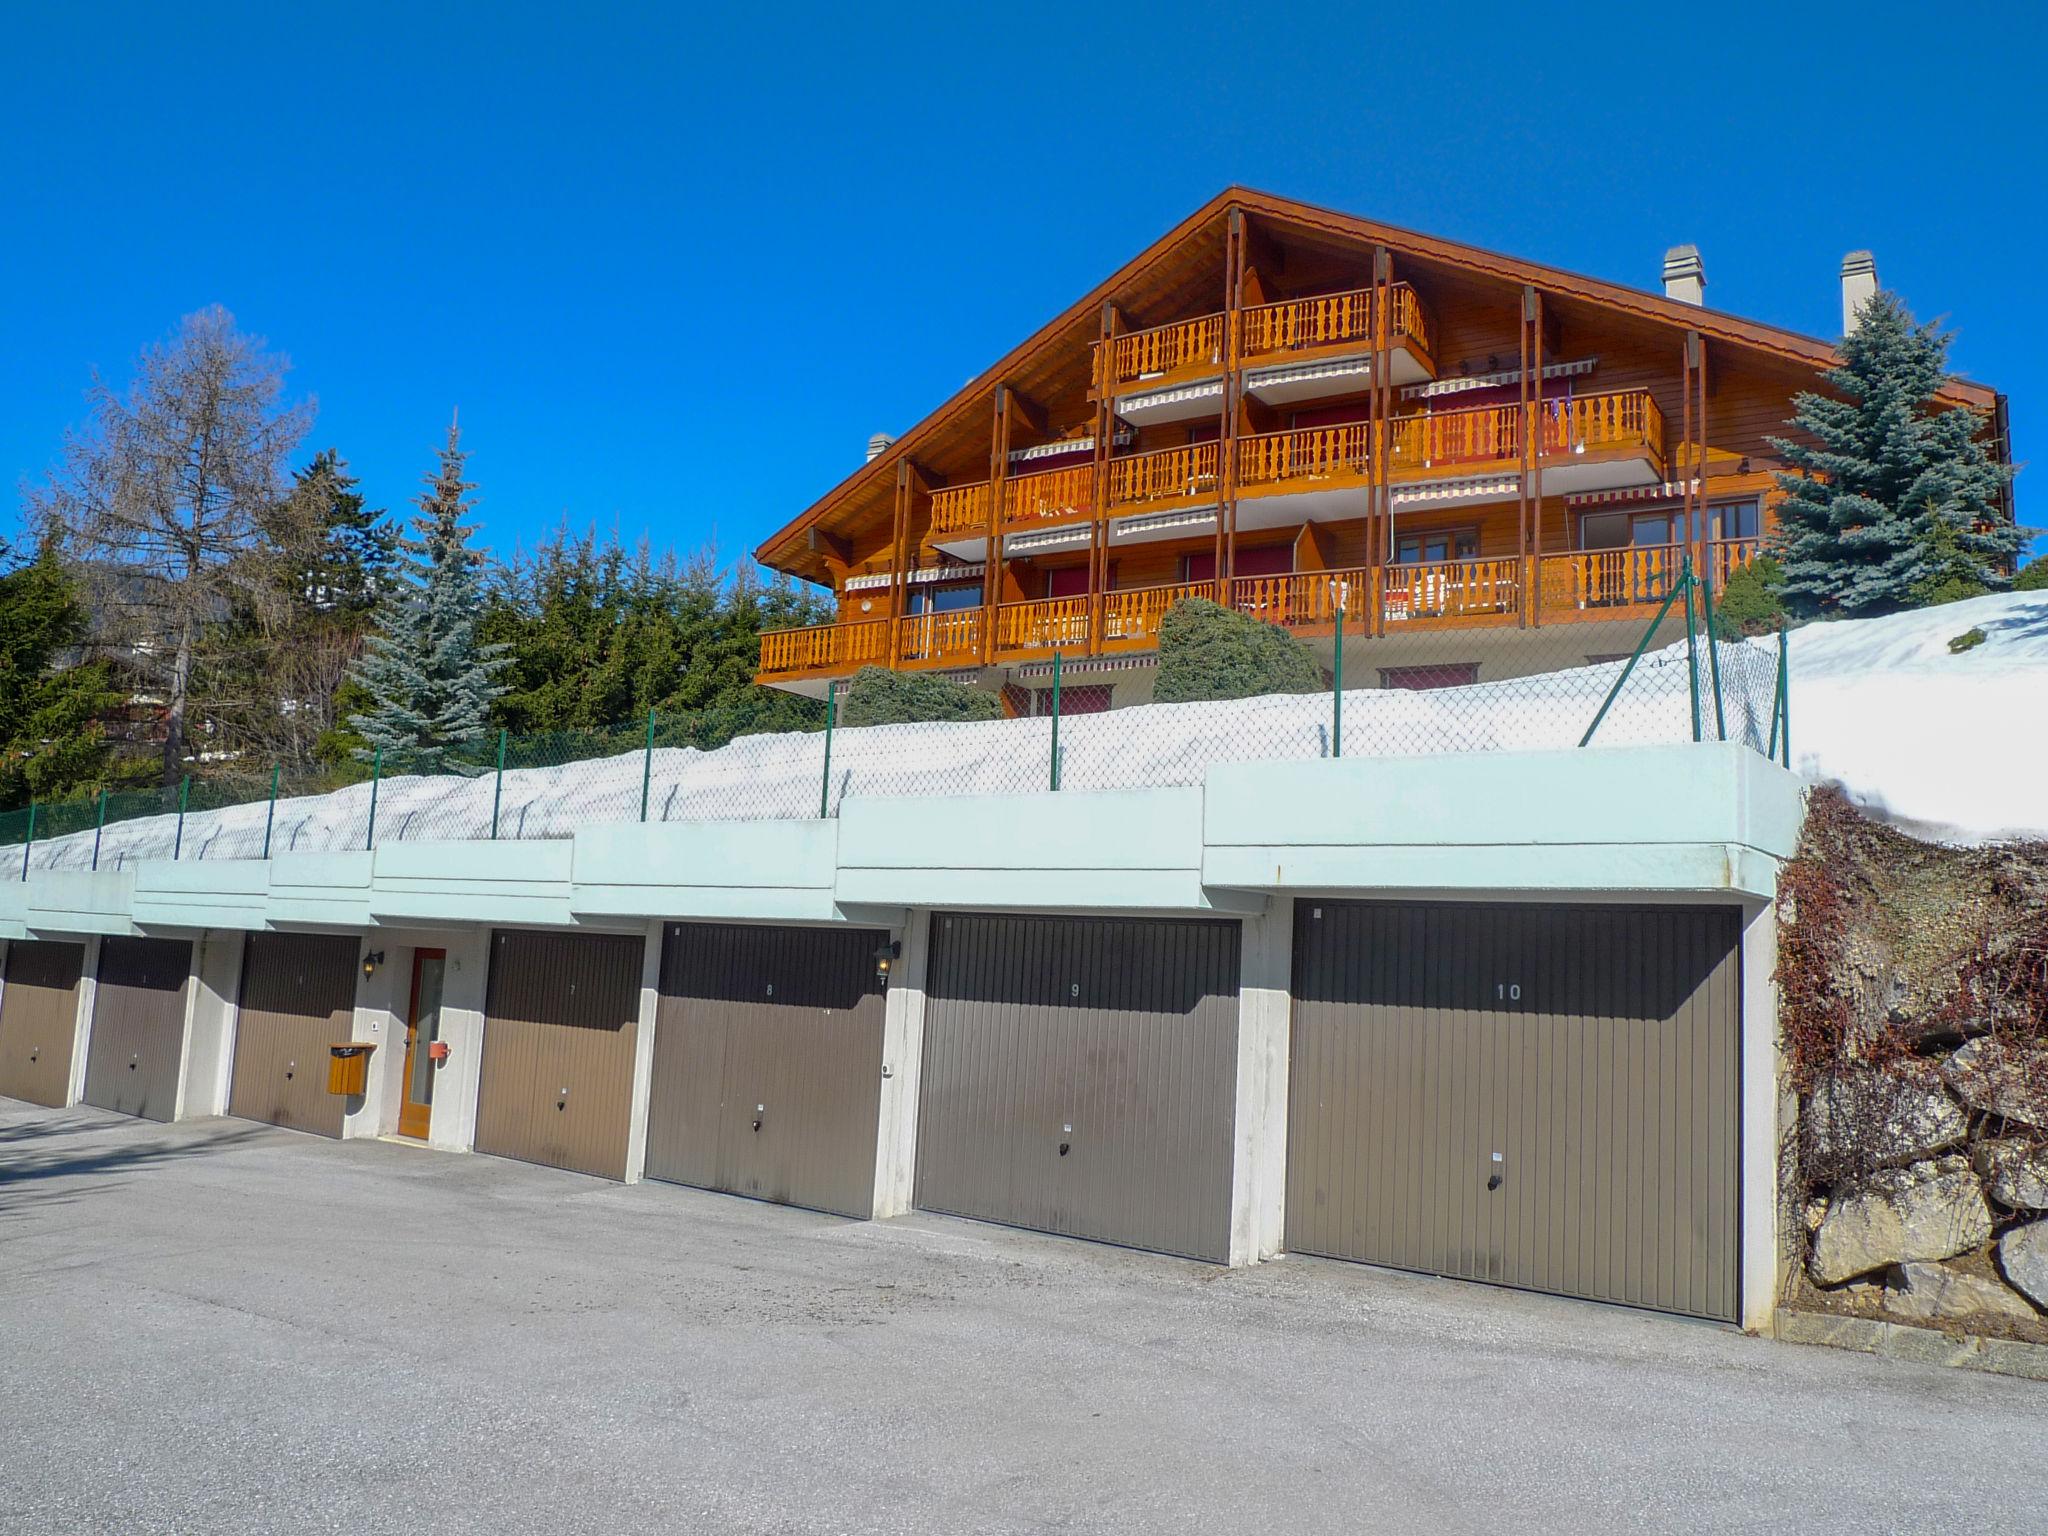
1258 1171
643 1054
902 1063
453 1127
381 999
81 1029
1762 1080
212 995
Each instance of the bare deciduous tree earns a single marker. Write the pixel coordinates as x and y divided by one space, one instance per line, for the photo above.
163 498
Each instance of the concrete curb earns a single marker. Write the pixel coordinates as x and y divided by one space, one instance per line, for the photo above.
1925 1346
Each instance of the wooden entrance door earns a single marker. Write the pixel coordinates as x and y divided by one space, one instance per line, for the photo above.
422 1033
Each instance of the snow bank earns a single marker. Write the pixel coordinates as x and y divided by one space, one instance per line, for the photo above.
1951 746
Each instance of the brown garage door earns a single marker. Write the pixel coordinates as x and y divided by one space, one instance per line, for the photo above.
559 1027
133 1053
767 1063
298 998
1543 1097
39 1020
1079 1077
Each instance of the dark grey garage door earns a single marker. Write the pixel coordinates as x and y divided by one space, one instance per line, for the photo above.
1079 1077
39 1020
298 998
559 1025
768 1063
133 1054
1543 1097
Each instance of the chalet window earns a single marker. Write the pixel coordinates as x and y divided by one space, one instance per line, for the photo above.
1735 519
1258 560
1619 530
1446 674
1436 546
946 599
1072 580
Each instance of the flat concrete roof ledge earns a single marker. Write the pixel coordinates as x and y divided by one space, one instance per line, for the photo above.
67 901
1707 819
473 882
202 893
320 890
714 871
13 905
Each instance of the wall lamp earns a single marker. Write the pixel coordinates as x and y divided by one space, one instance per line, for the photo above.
885 957
371 961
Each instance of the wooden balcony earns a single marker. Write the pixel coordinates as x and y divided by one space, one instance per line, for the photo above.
1186 349
1589 430
1168 477
1332 324
1561 587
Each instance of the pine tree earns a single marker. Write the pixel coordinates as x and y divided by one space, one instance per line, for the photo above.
430 680
50 738
1895 504
344 553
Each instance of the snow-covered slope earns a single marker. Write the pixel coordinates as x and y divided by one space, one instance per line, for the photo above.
1947 745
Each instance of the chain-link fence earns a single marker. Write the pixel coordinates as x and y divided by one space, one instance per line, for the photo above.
1672 683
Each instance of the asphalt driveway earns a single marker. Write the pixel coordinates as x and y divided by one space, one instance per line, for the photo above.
220 1327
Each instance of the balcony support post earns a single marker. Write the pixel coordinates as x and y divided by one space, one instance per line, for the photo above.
992 558
1227 429
899 577
1379 495
1688 484
1700 455
1105 437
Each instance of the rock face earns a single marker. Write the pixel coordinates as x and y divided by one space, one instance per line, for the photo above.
2015 1173
1868 1119
2023 1255
1933 1293
1901 1216
2001 1079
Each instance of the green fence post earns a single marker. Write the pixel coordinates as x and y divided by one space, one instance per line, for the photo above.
1634 656
1692 649
270 815
1713 651
1337 693
99 830
1055 720
31 840
498 789
647 768
184 799
825 782
1785 697
376 775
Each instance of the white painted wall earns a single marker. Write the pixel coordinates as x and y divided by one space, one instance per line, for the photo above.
81 1029
643 1055
453 1126
212 996
381 999
1762 1090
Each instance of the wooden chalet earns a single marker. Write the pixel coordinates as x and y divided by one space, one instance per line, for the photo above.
1487 467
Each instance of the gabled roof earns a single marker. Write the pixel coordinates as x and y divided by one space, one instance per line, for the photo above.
1149 280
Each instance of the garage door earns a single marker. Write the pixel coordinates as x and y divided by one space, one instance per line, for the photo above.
39 1020
768 1063
1543 1097
1079 1077
133 1053
559 1026
298 998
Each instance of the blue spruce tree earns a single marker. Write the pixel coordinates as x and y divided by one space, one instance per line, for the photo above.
430 681
1895 505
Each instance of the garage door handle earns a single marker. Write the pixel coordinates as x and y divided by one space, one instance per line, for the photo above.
1065 1146
1494 1182
757 1125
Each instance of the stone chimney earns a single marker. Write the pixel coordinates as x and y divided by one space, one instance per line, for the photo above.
1684 278
1859 286
879 445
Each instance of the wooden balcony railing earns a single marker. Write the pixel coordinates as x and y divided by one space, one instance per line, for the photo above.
1338 454
952 638
1168 474
960 508
1182 346
1130 618
1330 320
1059 623
825 647
1050 495
1492 434
1575 585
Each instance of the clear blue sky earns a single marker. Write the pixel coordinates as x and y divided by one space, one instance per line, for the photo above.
674 267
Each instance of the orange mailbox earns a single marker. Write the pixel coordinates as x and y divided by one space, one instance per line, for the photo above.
348 1066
